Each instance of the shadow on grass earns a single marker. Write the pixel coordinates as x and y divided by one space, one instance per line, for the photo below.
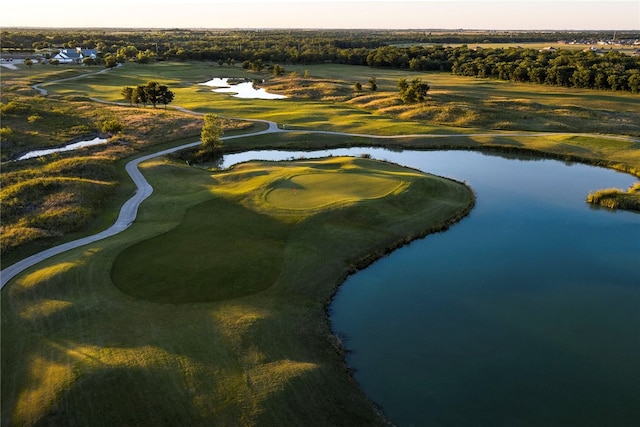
220 250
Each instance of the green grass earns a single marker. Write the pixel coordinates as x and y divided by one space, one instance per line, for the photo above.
456 104
83 352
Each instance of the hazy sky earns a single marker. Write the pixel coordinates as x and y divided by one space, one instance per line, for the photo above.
419 14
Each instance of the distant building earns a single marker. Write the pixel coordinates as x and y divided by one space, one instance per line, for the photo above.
75 56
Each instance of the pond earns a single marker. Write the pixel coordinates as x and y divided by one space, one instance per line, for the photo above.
524 313
244 89
69 147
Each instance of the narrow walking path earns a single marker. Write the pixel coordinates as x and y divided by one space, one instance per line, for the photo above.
128 212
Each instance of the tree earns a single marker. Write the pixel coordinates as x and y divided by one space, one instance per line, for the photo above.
165 96
110 61
28 62
127 93
416 91
373 84
143 58
278 70
88 61
357 86
139 95
634 81
152 90
211 134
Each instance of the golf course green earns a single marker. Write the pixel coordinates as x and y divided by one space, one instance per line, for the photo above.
219 304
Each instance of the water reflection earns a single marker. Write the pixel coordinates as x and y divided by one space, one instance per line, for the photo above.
70 147
240 88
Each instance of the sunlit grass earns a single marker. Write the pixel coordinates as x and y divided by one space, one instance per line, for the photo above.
235 240
82 352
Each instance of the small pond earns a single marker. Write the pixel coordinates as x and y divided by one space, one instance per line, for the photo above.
527 312
69 147
244 89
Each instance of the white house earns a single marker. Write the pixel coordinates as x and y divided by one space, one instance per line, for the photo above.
71 56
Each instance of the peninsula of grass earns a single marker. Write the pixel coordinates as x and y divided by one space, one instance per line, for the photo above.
614 198
261 217
218 313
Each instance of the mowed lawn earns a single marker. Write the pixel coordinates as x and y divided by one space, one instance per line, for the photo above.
210 309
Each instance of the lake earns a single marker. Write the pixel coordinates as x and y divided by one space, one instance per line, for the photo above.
527 312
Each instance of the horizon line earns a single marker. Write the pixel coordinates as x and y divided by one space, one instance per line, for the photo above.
547 30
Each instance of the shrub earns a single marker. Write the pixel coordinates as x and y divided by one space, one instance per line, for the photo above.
5 132
111 126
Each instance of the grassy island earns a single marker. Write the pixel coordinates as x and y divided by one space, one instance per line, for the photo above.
218 314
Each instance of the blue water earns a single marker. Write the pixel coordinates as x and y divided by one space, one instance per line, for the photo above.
526 313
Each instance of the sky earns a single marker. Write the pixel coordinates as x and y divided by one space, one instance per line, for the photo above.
328 14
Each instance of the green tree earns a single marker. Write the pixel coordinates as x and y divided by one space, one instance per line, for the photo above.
110 61
634 81
139 95
28 62
143 58
211 134
357 86
373 84
152 91
88 61
416 91
127 93
165 96
278 70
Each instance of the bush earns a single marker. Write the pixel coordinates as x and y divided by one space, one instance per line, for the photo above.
5 132
111 126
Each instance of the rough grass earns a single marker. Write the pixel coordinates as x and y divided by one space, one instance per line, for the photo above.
615 198
53 199
84 353
60 122
39 215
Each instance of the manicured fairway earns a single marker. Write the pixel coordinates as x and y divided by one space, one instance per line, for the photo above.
218 317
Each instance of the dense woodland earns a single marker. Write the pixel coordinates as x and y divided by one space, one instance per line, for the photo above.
415 50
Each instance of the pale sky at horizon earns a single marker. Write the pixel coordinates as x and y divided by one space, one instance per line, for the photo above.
329 14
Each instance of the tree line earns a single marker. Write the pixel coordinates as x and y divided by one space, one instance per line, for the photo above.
255 49
612 70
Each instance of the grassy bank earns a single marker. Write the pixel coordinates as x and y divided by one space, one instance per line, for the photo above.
615 198
224 351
